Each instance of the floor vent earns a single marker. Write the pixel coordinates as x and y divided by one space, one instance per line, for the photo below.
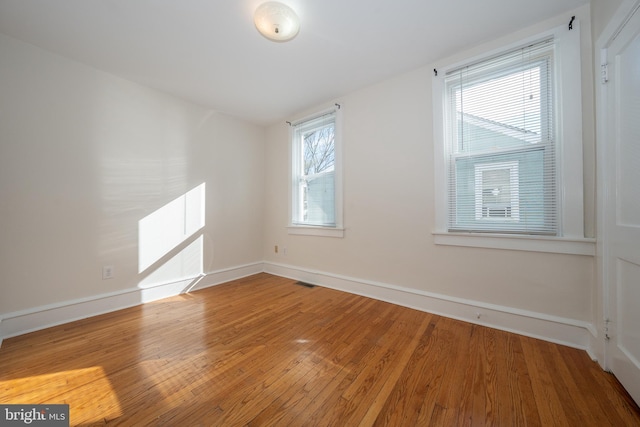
305 284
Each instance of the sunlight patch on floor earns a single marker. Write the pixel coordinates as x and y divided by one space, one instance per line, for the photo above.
80 388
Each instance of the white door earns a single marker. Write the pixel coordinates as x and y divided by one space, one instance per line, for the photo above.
622 203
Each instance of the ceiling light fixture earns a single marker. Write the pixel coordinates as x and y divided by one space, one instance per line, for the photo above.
276 21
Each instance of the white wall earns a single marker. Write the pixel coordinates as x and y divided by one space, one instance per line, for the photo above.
85 155
389 212
602 12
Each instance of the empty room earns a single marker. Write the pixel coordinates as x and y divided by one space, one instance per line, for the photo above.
328 213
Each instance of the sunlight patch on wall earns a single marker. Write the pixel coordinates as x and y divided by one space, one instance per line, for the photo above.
166 228
183 266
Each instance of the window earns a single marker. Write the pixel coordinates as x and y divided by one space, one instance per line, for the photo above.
315 178
508 133
501 144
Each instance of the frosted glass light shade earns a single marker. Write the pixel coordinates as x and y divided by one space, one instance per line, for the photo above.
276 21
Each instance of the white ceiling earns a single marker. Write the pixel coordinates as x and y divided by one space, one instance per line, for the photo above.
209 52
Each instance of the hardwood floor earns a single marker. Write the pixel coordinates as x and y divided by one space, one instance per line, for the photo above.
265 351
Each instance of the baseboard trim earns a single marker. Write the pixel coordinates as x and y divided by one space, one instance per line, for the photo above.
596 345
559 330
25 321
570 332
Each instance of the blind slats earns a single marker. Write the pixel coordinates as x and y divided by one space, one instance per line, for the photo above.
502 173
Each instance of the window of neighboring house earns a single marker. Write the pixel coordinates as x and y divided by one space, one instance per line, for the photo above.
315 179
508 128
497 191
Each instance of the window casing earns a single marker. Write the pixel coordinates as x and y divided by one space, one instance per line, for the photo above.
315 196
556 144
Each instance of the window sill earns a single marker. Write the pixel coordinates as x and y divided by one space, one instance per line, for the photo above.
558 245
307 230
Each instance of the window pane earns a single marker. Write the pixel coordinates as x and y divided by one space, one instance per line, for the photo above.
320 199
502 161
319 150
314 149
502 112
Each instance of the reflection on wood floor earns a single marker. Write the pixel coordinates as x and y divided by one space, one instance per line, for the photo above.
265 351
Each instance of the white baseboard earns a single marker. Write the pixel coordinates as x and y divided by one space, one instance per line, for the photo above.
596 346
569 332
25 321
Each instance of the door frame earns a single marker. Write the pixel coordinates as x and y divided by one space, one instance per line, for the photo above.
604 173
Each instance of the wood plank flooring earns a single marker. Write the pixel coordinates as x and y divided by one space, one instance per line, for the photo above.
264 351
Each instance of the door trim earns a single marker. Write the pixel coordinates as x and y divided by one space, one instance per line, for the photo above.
600 347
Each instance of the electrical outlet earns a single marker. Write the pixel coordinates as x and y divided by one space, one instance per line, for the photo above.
107 272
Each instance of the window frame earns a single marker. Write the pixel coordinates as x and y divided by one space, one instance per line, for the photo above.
568 130
295 226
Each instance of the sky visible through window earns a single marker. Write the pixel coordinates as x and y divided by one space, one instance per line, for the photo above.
512 100
319 150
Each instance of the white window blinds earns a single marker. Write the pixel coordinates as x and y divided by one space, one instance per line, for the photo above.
499 125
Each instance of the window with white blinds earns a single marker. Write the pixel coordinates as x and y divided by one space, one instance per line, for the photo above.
500 143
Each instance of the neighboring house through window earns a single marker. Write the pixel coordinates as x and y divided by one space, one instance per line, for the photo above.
501 144
508 133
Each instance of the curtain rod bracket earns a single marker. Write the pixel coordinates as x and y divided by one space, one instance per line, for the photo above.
337 105
571 22
435 72
289 123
